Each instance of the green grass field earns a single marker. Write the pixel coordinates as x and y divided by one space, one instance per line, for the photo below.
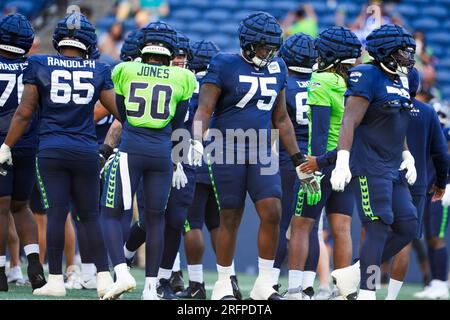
245 282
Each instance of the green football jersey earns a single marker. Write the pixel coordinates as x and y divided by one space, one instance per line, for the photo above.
327 89
152 92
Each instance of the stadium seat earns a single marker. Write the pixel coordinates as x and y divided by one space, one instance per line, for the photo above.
434 11
105 22
186 14
200 27
284 5
198 3
408 10
256 5
238 16
444 63
425 24
443 76
445 91
229 28
230 5
217 15
27 8
439 37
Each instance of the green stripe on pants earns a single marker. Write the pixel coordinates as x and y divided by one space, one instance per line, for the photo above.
365 199
299 203
443 222
187 226
211 176
111 189
41 187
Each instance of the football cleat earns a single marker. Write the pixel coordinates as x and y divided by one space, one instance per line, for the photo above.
125 283
437 290
164 290
54 287
195 290
15 275
223 290
102 282
236 290
263 290
308 294
294 294
148 294
176 281
73 280
347 280
323 294
366 295
36 275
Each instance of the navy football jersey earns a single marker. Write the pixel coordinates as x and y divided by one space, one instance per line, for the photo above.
68 90
378 141
11 88
248 93
296 96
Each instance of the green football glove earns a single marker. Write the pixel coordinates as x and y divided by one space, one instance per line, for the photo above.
313 190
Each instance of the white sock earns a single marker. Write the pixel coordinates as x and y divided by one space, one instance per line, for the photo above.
265 268
164 273
88 270
2 261
308 279
195 272
224 273
276 275
31 248
393 289
121 269
150 283
176 263
128 254
295 279
366 295
233 271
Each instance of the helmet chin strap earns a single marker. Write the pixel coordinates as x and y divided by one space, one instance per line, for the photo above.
400 71
255 60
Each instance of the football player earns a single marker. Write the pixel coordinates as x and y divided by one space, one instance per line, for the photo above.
338 48
153 95
241 90
425 140
374 128
66 86
16 182
299 54
436 222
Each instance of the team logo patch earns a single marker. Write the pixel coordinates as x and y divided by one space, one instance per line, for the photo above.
274 67
355 74
315 84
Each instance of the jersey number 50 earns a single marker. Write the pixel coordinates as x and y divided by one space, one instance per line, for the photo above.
155 109
61 92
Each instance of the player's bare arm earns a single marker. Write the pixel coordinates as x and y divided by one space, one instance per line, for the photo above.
208 97
282 122
23 114
355 109
100 112
113 136
108 100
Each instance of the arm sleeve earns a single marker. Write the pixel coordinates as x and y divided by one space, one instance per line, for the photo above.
107 83
360 83
439 154
180 114
320 124
121 108
213 74
29 73
327 159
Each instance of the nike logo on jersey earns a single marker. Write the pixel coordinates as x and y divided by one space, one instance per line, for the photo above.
354 80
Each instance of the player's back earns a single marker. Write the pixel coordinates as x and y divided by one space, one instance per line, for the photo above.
296 96
152 93
68 89
11 88
248 93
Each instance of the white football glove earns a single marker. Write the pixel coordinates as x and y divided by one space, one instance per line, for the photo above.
408 164
446 197
341 174
195 153
5 155
179 179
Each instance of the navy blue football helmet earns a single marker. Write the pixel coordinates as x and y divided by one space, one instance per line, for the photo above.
184 46
393 47
94 53
202 51
158 38
413 81
337 45
75 30
16 34
299 53
260 29
130 50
